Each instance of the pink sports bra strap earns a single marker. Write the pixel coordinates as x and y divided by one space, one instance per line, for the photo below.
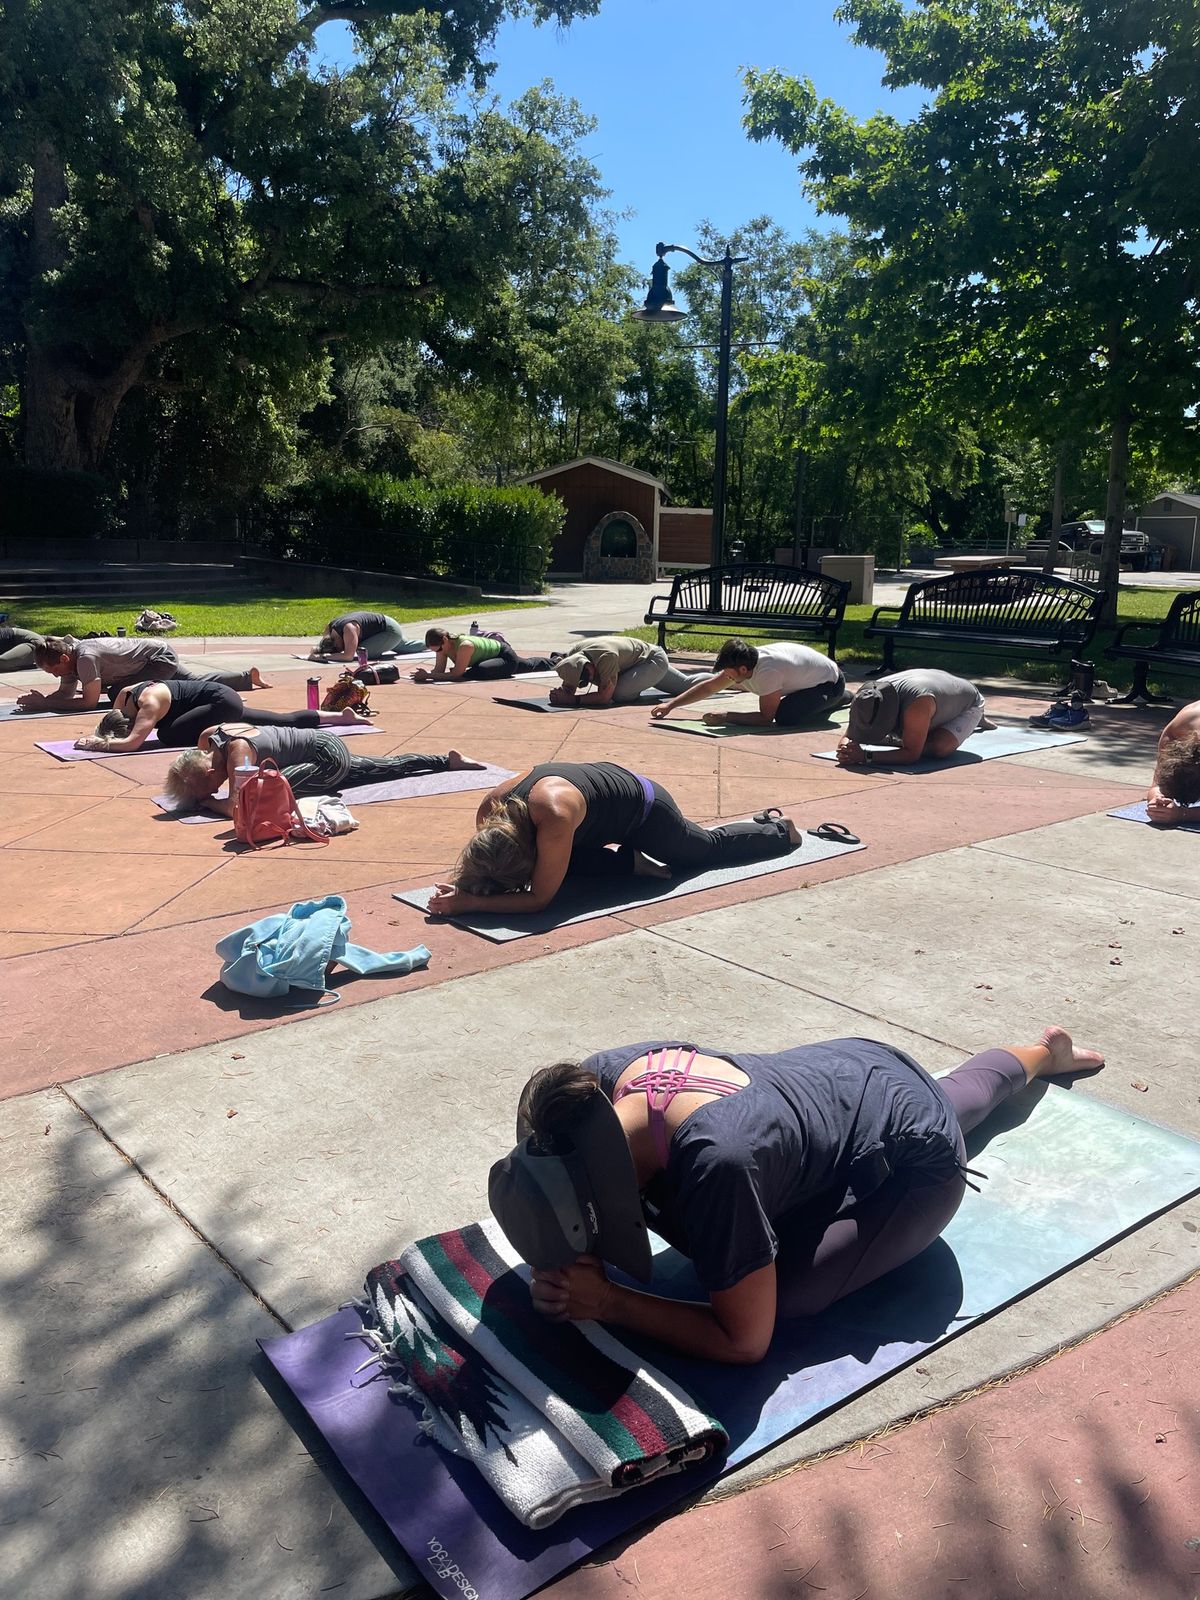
661 1084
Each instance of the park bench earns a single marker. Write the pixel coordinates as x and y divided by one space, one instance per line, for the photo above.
1176 647
754 598
1005 610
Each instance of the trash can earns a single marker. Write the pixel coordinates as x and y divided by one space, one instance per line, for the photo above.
859 571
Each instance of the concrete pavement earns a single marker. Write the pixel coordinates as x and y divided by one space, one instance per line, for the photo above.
209 1172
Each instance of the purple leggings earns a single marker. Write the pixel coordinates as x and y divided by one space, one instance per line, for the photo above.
825 1261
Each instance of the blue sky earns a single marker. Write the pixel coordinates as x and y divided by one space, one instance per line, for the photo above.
663 82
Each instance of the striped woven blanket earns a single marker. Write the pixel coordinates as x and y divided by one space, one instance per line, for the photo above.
552 1414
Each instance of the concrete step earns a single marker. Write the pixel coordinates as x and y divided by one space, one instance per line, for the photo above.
142 582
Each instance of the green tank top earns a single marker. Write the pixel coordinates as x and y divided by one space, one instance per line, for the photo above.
481 649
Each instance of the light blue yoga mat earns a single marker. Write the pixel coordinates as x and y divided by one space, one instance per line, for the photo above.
837 717
986 746
1065 1175
582 899
1137 813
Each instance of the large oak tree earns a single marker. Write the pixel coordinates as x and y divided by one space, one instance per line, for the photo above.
1040 213
185 192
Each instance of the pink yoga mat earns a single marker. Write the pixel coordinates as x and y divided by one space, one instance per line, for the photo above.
64 749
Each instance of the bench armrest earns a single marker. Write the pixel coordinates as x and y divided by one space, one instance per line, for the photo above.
654 614
879 612
1126 627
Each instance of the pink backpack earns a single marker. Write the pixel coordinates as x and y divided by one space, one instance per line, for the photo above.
265 811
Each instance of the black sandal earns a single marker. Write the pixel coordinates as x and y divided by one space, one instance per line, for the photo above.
835 833
771 814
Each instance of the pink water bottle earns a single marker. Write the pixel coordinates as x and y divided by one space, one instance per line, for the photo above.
362 655
314 694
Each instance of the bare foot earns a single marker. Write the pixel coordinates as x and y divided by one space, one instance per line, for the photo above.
1064 1055
257 681
643 867
461 763
352 717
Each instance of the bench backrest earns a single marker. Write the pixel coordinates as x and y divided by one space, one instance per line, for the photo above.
1003 600
1181 625
763 589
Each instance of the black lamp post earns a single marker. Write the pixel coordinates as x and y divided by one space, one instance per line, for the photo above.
660 307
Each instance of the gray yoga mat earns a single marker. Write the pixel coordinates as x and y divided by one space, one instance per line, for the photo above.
651 698
12 713
417 652
987 746
1137 813
837 718
583 899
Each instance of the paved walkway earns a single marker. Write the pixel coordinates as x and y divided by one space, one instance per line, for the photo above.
181 1173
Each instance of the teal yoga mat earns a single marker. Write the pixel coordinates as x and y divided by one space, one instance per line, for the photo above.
988 746
582 899
1064 1176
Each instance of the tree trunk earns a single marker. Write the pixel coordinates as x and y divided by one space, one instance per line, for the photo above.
1114 517
1056 511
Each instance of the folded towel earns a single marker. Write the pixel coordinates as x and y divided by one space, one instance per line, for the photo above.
552 1414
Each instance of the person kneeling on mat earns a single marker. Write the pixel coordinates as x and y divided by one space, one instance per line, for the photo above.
1176 782
615 670
558 820
312 761
96 665
921 714
180 709
789 1179
475 655
794 684
372 631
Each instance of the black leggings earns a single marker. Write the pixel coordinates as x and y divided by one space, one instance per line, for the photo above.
668 836
803 705
508 664
180 729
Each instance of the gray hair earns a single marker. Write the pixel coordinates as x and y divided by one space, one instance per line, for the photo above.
188 778
502 855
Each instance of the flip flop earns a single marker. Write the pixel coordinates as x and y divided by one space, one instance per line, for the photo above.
771 814
835 833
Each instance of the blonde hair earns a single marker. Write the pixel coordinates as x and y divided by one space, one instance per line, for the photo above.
502 855
188 777
113 725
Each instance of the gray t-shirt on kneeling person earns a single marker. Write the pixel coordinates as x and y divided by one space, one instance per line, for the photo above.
121 661
953 696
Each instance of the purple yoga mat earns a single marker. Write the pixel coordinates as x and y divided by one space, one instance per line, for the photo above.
369 794
64 749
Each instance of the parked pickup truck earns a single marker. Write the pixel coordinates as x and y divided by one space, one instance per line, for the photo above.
1089 535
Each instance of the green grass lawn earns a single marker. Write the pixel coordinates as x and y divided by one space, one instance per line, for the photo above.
854 649
258 611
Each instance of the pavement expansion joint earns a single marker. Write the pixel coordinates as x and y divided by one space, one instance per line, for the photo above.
181 1216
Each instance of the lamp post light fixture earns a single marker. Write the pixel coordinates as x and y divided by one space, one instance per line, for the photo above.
660 307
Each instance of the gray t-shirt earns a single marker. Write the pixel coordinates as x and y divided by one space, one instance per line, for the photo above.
953 696
368 623
121 661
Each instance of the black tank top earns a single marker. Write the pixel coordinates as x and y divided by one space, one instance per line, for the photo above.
185 692
614 798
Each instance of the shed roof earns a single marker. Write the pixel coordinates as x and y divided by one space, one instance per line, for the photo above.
1170 494
593 461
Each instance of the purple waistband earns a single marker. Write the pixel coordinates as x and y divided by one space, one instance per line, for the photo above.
647 797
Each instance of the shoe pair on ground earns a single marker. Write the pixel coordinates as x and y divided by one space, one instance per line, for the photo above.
1063 716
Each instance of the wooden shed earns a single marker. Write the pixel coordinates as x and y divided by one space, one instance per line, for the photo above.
619 524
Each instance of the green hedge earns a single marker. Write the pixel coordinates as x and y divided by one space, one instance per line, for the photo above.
465 533
38 504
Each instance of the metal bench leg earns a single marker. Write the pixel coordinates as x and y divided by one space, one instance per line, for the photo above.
662 636
1139 693
888 664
